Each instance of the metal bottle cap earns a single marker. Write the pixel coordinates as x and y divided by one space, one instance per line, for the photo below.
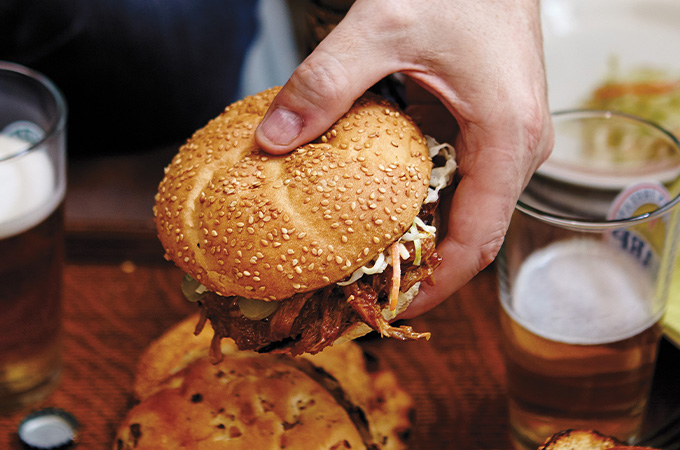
49 428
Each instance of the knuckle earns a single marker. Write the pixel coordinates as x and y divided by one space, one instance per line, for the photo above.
489 251
533 123
395 15
539 139
320 81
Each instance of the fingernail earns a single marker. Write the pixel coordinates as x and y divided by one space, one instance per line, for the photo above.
282 126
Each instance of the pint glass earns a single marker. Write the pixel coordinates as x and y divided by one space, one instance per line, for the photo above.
32 188
584 275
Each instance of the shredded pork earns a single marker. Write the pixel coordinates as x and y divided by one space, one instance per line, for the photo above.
308 322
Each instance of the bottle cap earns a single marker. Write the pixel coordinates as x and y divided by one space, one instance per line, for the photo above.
49 428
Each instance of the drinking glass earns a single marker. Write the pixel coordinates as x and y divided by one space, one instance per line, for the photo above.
584 276
32 189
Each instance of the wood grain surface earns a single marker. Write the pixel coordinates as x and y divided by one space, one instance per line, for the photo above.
113 310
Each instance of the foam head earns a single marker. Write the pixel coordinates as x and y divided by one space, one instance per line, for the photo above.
27 184
582 292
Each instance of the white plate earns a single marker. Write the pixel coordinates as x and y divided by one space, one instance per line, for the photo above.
578 176
581 37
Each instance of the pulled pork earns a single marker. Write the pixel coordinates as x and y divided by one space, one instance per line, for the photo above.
308 322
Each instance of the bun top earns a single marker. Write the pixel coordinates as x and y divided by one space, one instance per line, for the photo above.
244 222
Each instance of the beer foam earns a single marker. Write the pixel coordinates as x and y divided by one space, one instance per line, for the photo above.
27 187
583 292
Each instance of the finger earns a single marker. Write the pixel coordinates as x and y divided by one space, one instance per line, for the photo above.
477 221
346 64
493 177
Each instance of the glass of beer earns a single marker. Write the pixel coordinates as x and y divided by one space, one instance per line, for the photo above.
584 276
32 188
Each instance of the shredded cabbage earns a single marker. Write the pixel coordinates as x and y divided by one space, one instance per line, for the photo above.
442 176
418 231
378 267
645 92
430 229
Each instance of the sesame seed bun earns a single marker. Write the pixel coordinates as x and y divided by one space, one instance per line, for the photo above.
246 223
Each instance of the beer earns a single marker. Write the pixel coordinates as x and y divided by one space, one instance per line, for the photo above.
580 342
31 260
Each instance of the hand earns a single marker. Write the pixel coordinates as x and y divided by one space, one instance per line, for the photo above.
483 60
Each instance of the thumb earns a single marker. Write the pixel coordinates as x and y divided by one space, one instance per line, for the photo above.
321 89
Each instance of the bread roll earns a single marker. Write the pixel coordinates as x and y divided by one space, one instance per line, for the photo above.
332 400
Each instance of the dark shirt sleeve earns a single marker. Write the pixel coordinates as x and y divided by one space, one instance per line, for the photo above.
135 73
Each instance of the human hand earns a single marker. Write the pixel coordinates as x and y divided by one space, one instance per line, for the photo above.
483 61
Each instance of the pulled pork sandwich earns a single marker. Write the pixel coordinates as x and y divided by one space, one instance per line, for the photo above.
292 253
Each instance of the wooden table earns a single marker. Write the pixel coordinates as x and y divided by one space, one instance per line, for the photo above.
120 294
113 310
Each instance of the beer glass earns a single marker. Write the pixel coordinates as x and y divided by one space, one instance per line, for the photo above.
32 188
584 276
